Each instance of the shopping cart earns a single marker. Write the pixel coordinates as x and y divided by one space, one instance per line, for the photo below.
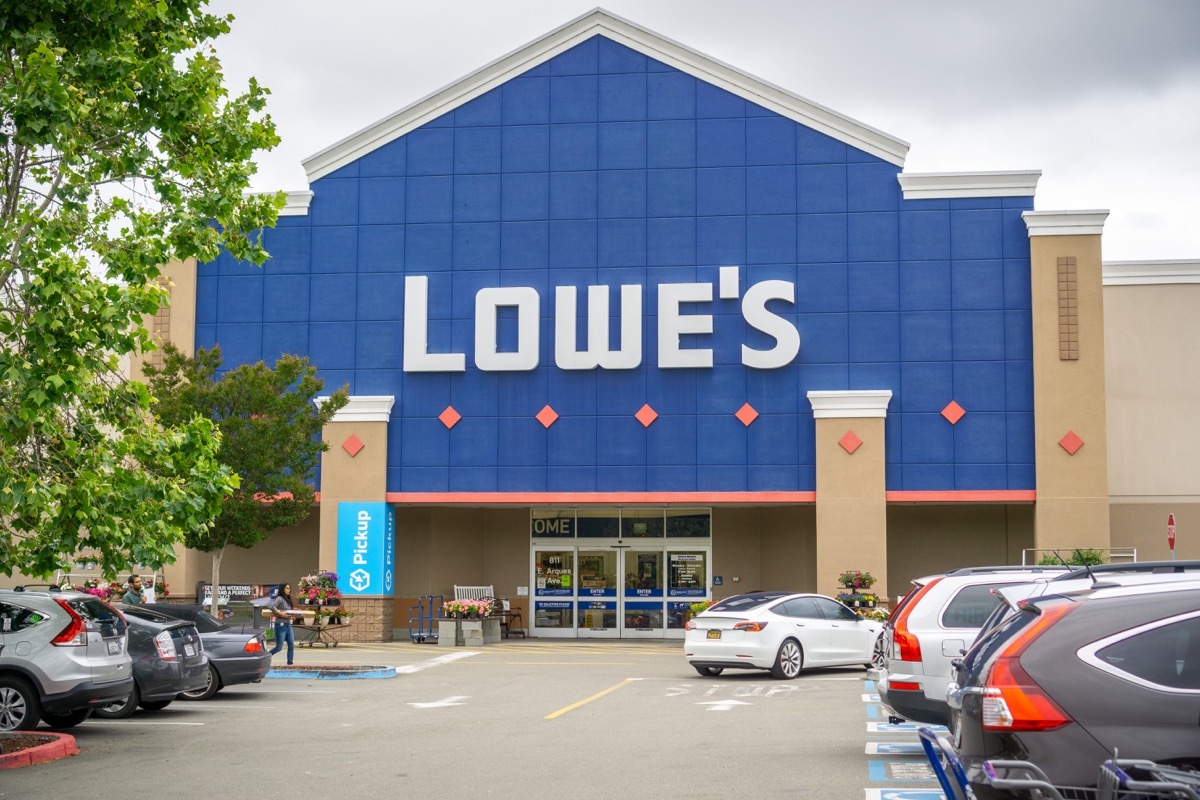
946 765
1118 779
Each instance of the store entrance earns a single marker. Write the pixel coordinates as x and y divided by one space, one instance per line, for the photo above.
614 590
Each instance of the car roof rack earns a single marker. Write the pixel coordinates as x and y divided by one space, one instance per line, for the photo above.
1010 568
37 587
1131 568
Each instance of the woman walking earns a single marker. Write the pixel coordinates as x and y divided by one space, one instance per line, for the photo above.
283 621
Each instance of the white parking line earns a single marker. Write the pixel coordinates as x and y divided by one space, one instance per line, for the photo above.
408 669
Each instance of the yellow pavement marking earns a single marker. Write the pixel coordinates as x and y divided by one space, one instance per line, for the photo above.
596 696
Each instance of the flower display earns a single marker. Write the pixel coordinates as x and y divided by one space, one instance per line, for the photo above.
102 589
856 579
318 589
463 608
161 587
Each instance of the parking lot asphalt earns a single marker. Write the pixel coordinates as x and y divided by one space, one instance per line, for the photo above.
531 719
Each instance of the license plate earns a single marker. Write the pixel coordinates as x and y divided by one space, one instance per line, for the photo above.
189 649
114 647
714 634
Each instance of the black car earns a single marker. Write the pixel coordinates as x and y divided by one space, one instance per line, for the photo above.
1070 678
168 658
234 655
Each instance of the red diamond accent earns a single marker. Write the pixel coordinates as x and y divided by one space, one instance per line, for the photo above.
850 442
953 412
547 416
352 445
646 415
746 414
1071 443
449 417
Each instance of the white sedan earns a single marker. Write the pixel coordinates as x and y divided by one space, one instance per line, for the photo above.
783 632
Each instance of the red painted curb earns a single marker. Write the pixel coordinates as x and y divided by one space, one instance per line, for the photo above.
62 746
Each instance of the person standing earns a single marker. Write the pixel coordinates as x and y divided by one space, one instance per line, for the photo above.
133 591
280 607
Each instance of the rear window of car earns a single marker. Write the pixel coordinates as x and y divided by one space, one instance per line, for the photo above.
1168 655
93 609
746 602
148 615
970 606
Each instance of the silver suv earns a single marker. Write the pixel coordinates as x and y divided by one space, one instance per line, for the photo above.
61 655
933 625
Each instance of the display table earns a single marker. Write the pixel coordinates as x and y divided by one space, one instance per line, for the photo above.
318 633
453 632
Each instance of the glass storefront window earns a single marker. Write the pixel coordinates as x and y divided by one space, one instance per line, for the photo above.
644 573
552 614
642 523
598 524
688 574
597 615
597 573
644 616
677 615
553 572
694 523
551 524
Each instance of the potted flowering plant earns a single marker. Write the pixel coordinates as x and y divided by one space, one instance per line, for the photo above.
319 589
102 589
856 583
467 608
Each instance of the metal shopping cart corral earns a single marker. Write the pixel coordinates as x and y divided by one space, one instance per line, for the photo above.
1117 779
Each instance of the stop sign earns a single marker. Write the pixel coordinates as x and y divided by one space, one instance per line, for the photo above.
1171 532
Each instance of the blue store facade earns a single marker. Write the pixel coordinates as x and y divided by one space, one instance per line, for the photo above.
626 327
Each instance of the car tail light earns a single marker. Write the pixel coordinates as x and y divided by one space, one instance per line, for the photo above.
904 686
1012 700
75 634
166 646
255 645
905 643
690 625
750 626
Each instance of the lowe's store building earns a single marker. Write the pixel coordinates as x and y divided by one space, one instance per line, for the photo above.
626 328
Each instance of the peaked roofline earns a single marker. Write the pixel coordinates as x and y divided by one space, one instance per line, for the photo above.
622 31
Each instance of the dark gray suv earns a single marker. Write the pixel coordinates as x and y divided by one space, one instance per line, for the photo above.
62 654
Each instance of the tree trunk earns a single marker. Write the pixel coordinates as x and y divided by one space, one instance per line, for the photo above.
216 581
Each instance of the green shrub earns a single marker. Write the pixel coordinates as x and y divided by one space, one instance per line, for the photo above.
1078 558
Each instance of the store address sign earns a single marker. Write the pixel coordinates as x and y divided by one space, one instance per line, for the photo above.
673 325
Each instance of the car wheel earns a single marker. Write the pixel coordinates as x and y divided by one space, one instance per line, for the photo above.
121 709
789 662
214 686
878 654
68 719
709 672
155 705
18 705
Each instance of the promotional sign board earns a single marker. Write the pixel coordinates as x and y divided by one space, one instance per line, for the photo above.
366 549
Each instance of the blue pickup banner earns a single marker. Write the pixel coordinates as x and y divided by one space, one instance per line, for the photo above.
366 549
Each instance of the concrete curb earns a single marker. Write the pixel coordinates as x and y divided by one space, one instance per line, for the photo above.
62 746
333 671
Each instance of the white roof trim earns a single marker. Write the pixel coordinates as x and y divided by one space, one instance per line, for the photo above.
938 185
363 408
1148 273
1065 223
850 404
297 204
781 101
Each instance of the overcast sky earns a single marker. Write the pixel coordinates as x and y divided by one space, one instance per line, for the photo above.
1103 96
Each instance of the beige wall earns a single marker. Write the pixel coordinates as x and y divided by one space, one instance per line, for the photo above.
1152 342
1144 526
1072 490
764 548
927 539
285 556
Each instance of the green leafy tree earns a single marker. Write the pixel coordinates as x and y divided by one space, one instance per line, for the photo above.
120 150
270 437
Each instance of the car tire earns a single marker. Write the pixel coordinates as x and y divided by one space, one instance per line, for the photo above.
214 686
19 709
67 719
789 661
121 709
155 705
878 654
709 672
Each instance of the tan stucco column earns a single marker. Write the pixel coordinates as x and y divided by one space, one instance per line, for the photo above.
1070 420
851 489
355 468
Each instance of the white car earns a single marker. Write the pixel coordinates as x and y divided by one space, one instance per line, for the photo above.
783 632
